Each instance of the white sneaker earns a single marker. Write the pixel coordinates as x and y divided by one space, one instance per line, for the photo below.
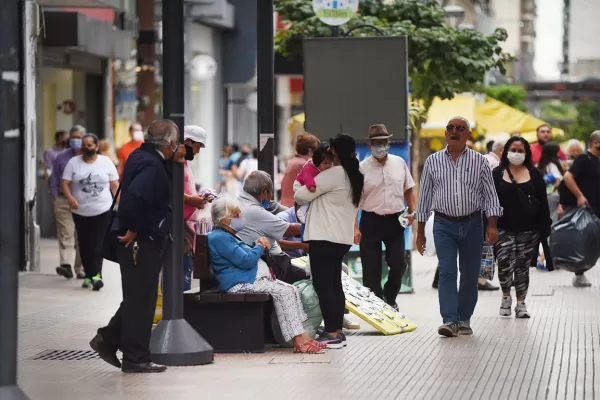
521 310
581 281
505 306
350 324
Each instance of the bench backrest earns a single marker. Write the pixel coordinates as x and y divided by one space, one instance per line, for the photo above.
202 269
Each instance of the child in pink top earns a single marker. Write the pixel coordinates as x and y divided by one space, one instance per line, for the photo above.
322 159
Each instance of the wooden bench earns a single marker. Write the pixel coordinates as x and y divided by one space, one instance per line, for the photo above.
230 322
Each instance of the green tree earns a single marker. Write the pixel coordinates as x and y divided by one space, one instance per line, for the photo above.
512 95
442 60
585 122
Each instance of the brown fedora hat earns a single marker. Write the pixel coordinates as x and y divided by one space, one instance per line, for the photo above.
378 131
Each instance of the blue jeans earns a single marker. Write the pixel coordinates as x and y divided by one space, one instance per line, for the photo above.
461 239
188 269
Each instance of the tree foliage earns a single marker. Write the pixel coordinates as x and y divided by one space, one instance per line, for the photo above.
585 122
442 60
512 95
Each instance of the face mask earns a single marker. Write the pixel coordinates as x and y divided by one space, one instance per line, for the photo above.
75 144
88 152
189 153
237 224
265 204
138 136
379 151
515 158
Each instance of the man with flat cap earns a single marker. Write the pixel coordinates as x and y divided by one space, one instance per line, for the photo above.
387 192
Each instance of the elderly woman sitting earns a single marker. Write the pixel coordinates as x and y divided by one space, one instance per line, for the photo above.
238 268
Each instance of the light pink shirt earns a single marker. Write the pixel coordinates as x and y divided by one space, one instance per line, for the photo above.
385 185
189 188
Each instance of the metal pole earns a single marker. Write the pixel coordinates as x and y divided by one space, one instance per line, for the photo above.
174 341
11 202
265 71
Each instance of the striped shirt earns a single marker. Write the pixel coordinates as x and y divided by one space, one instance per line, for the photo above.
458 188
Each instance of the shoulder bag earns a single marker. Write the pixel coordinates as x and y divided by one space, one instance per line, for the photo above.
109 247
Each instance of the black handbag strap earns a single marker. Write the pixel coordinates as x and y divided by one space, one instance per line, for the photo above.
115 197
510 176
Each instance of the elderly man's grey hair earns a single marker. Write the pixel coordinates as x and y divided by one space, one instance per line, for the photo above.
258 182
498 145
595 136
161 133
459 118
222 208
77 128
575 143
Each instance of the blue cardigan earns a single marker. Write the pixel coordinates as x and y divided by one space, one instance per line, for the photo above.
232 261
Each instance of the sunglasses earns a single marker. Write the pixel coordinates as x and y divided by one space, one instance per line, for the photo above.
456 128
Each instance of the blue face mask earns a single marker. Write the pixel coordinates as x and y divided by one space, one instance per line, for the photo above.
75 144
265 204
237 224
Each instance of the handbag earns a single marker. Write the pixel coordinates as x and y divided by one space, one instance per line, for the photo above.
109 247
281 266
530 204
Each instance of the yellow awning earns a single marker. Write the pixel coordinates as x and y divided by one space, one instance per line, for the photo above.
441 111
300 118
498 119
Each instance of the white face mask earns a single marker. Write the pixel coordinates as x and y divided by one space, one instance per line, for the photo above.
515 158
379 151
138 136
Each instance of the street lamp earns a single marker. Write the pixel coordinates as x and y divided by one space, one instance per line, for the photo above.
454 15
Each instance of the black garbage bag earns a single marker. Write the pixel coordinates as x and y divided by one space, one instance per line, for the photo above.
575 240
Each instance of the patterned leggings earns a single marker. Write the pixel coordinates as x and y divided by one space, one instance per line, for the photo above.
286 299
513 253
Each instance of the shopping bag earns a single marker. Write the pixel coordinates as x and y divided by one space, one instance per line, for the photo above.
430 244
575 240
487 262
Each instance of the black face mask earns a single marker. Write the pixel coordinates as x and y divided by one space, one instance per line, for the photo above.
88 152
189 153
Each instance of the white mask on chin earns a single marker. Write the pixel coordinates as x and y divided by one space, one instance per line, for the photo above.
515 158
138 136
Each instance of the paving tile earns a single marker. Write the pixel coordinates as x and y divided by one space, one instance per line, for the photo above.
553 355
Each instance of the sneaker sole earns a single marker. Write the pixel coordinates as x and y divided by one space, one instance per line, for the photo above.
523 316
335 345
447 332
465 333
98 285
63 273
505 313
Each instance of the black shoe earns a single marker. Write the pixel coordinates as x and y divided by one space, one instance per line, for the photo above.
143 368
65 270
487 286
105 351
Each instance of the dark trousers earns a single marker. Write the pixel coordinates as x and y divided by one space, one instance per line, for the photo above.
326 269
376 229
129 329
90 235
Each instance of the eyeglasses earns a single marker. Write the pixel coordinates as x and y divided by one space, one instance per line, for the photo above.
456 128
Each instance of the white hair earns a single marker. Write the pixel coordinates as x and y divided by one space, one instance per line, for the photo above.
498 145
459 118
162 133
574 143
258 182
223 207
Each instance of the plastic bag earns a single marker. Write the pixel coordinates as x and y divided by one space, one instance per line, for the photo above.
487 262
575 240
310 303
430 243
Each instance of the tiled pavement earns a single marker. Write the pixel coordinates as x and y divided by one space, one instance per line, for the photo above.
553 355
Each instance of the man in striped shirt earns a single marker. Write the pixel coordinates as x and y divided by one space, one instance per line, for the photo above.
457 185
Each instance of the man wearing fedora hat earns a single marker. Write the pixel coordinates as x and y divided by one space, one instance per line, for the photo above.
388 185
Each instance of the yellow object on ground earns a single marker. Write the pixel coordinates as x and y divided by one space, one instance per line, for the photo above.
496 118
158 310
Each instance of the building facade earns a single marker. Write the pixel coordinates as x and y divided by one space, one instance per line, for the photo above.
581 52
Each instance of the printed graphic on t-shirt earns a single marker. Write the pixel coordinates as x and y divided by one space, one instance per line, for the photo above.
91 187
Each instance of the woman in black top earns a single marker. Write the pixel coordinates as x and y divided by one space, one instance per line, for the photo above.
526 218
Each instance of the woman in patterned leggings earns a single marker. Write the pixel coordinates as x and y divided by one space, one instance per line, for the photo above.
526 218
238 268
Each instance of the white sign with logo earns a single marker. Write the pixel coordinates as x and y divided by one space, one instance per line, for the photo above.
335 12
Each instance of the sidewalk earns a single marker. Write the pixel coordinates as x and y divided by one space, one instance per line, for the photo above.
553 355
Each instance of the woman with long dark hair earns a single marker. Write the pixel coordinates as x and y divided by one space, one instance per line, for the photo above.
526 219
89 183
330 231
